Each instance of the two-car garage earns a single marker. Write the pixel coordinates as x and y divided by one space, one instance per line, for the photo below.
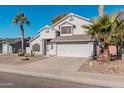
75 49
74 46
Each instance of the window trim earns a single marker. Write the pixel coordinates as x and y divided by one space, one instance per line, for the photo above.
38 50
66 33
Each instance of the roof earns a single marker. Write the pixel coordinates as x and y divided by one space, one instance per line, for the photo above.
43 28
33 38
46 26
74 38
10 40
67 23
68 16
39 32
121 17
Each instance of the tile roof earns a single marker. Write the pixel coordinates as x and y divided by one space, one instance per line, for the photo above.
74 38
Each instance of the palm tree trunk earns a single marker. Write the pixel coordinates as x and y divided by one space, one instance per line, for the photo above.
22 38
104 55
101 10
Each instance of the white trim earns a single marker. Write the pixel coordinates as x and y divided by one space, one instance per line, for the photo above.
68 16
68 34
66 23
42 28
33 38
45 27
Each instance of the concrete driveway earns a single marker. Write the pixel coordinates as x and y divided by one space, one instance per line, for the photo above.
57 64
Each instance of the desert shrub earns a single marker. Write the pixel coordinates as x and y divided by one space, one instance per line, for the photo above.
32 54
21 53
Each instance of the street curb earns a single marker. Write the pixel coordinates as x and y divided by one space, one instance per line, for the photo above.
74 79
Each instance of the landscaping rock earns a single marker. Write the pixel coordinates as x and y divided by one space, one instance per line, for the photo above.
115 67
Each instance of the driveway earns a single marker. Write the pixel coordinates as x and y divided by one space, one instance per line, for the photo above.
64 69
57 64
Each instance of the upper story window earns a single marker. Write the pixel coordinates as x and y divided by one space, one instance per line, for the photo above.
66 30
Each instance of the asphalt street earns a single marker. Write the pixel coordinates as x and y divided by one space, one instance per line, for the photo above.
9 80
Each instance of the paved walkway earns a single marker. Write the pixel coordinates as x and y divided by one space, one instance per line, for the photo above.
64 69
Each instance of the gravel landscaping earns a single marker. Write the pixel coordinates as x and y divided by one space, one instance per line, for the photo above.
114 67
15 60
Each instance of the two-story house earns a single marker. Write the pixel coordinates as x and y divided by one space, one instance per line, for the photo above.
65 38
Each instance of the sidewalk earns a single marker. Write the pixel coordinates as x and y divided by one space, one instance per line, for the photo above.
76 77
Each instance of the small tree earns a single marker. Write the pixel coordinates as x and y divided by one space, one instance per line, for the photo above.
58 17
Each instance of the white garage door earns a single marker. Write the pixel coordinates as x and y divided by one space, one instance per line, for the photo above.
75 50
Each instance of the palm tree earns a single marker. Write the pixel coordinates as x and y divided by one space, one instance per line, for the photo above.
118 33
101 10
105 29
20 19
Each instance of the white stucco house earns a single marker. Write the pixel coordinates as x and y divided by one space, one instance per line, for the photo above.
65 38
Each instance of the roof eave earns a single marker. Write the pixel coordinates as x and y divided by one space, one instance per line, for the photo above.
71 41
69 15
33 38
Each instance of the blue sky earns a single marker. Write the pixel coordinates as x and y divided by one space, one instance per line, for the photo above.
42 15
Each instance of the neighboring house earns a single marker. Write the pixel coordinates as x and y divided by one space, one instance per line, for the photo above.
11 45
65 38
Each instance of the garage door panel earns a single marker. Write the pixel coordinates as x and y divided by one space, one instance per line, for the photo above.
75 50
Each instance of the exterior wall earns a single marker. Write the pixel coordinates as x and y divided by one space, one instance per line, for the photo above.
47 34
113 50
51 51
39 41
64 25
7 48
28 50
78 22
75 50
44 35
17 46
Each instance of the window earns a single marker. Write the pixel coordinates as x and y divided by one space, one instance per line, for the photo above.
36 48
66 30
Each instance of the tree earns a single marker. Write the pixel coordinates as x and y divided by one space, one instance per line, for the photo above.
58 17
106 30
20 19
101 10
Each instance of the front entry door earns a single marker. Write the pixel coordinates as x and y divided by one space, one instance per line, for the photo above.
48 46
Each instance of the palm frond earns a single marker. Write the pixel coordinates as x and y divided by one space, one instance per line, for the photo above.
20 17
